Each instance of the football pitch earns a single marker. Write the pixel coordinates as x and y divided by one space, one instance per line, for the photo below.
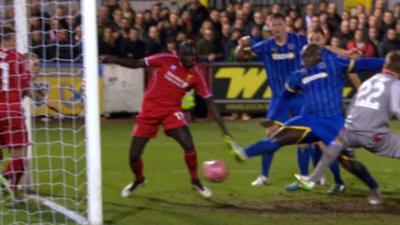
167 197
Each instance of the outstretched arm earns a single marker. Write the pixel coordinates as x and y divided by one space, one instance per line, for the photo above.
212 109
125 62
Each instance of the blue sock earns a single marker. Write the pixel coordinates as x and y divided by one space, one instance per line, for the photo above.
315 154
336 172
303 159
266 161
264 147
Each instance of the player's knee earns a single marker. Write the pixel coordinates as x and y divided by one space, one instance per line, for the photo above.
288 135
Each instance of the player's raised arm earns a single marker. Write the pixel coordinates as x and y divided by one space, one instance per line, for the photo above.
125 62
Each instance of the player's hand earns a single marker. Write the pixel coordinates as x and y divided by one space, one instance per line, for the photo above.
355 53
244 41
108 59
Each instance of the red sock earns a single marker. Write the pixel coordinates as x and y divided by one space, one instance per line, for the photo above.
14 171
137 169
191 163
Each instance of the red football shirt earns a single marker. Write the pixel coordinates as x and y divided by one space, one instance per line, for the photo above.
14 80
170 83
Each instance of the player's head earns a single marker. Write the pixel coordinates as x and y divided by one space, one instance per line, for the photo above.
187 53
311 55
316 36
7 38
392 62
32 62
277 25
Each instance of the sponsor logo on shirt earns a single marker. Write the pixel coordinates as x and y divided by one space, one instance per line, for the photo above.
283 56
311 78
175 80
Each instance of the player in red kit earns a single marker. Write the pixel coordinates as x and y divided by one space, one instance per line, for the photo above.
162 106
15 84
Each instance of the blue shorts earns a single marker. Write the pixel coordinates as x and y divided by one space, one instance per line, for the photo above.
318 128
294 108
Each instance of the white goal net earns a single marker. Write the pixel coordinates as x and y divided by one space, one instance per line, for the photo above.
57 186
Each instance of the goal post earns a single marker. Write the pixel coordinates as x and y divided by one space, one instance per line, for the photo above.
93 153
62 181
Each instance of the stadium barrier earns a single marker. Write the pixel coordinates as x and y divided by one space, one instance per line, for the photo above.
121 89
242 87
237 87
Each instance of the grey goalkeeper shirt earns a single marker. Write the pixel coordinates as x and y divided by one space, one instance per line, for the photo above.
377 100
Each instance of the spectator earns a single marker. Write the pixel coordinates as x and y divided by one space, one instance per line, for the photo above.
171 47
116 19
345 32
275 8
310 12
209 50
103 18
396 11
315 22
198 14
398 27
132 46
346 15
322 7
294 13
217 28
353 24
153 44
373 22
112 5
231 44
360 42
108 45
124 28
156 11
239 25
298 26
181 37
390 43
334 19
60 49
127 11
257 21
374 35
38 44
247 11
362 22
336 42
388 21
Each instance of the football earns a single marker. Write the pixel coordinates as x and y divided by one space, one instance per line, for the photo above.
215 170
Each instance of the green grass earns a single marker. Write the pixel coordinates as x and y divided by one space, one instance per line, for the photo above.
167 198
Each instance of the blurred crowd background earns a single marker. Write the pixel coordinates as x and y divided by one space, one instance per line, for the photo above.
127 32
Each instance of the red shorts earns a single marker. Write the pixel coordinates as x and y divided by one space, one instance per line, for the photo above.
13 133
147 123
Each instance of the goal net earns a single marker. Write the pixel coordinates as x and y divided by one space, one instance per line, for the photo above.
61 183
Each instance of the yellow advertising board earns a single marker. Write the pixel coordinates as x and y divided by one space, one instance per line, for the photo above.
63 90
349 4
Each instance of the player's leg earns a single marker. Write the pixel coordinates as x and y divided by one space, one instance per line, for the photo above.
183 136
136 165
266 161
15 136
145 128
303 161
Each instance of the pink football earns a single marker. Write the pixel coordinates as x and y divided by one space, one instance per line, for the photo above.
215 170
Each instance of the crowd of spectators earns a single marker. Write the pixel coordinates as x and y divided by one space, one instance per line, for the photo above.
131 33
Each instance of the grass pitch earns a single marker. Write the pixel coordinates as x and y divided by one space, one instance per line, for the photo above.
167 198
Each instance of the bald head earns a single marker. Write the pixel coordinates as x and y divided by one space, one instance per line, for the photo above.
311 55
